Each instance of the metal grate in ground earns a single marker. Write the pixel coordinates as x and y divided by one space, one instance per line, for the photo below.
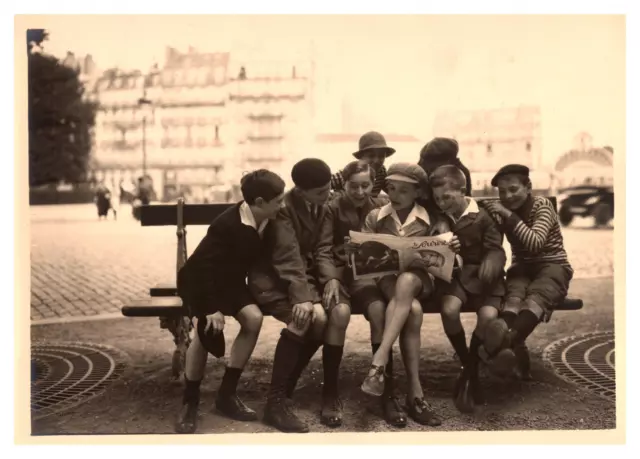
587 360
68 374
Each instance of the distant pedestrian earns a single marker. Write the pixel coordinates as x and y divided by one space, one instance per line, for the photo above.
103 200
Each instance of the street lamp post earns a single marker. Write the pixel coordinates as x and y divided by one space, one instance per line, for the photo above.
144 102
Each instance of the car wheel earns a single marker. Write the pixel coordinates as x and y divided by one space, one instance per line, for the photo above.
565 216
602 214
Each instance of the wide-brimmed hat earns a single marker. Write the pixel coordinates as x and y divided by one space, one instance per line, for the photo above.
373 141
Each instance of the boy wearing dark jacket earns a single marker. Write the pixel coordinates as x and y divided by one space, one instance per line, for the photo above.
479 281
310 323
212 285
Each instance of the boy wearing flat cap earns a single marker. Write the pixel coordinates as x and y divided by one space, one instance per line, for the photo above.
540 273
372 148
479 281
403 217
212 285
310 323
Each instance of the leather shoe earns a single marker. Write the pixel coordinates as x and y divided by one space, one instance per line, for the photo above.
234 408
188 419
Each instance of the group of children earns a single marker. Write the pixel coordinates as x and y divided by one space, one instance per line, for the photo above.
286 254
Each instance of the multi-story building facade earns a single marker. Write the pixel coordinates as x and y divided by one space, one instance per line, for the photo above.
198 121
489 139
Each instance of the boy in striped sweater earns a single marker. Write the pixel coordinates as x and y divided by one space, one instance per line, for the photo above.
540 273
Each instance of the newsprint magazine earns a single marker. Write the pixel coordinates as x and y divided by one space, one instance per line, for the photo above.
381 254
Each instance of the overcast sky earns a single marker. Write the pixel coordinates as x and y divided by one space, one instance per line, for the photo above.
400 70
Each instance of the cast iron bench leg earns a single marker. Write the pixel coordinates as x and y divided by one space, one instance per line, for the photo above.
179 328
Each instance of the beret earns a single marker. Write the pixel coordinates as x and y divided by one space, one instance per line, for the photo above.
310 173
407 172
510 169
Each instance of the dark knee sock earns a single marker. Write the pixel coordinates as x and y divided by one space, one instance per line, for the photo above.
509 317
459 343
191 392
285 359
524 325
306 354
331 358
474 359
229 381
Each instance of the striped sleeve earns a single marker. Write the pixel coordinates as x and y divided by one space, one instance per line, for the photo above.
534 237
337 181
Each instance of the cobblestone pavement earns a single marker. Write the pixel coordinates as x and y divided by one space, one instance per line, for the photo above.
84 267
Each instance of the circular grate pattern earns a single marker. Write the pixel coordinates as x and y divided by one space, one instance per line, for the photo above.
587 360
68 374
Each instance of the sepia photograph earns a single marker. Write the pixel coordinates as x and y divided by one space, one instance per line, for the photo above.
193 181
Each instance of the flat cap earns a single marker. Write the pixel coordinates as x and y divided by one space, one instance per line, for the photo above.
408 172
509 169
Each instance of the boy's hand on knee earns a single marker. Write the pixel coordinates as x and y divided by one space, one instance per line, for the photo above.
215 321
489 271
302 313
331 290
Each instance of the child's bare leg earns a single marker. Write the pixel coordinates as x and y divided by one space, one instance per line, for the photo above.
417 407
452 325
408 285
250 319
376 315
410 349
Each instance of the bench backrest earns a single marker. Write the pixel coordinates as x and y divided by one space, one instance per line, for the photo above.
204 214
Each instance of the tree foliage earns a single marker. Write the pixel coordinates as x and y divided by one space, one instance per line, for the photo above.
60 119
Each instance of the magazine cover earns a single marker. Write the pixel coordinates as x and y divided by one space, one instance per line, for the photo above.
380 254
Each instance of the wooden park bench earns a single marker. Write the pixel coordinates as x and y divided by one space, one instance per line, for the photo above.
163 301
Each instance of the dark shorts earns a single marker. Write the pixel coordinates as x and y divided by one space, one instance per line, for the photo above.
547 284
367 291
474 301
229 302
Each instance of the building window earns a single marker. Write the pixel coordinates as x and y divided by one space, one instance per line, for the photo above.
217 133
528 146
489 149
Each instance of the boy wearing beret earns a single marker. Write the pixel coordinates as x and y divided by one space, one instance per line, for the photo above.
372 148
478 282
212 285
310 324
540 273
403 217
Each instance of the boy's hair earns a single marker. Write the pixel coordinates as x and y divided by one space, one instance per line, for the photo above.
449 176
261 184
356 167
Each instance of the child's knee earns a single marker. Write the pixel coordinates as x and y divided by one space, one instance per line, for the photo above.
534 305
250 319
408 284
320 318
340 316
451 308
512 304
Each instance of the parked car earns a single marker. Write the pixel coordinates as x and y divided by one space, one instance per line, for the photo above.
586 201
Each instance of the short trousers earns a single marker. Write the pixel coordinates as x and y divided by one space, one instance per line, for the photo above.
229 302
474 301
364 292
547 284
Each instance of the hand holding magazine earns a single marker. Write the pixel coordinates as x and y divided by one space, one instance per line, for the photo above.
375 255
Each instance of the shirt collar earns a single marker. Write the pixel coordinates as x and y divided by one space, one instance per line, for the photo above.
472 208
418 212
247 218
